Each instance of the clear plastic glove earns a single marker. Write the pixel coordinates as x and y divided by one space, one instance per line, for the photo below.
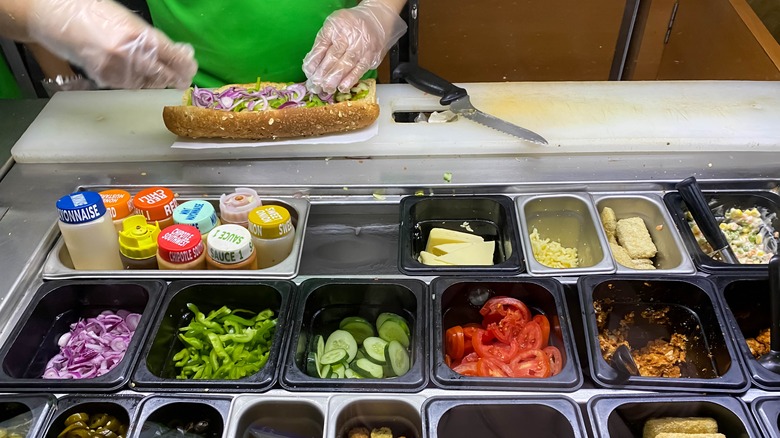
351 42
115 47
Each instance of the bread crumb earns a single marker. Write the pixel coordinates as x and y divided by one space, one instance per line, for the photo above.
659 227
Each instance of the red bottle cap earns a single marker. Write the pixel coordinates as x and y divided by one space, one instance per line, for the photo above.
179 244
155 203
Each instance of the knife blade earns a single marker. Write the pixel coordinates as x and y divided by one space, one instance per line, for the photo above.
458 100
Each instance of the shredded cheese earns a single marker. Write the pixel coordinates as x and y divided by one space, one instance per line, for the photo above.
553 254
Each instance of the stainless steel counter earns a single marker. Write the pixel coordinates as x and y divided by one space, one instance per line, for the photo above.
28 228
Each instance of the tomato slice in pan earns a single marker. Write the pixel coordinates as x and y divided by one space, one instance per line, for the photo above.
496 350
497 308
544 323
467 369
508 328
455 345
488 367
530 337
556 360
531 363
471 357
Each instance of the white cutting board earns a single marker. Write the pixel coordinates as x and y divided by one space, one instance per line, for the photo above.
575 117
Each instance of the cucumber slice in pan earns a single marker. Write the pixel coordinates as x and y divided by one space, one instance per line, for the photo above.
335 356
375 349
386 316
398 358
344 340
392 330
358 327
366 368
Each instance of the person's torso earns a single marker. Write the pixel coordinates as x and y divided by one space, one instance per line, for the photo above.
241 40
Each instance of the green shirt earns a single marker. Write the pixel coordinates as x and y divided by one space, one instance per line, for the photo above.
247 39
9 89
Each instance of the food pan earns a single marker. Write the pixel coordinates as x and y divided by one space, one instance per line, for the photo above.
401 414
490 217
719 202
123 407
662 308
278 416
458 302
468 417
358 238
571 220
202 416
745 302
25 414
624 416
54 307
672 257
766 410
58 264
156 369
321 307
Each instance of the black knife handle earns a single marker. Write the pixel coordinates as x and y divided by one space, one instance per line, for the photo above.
697 205
429 82
774 302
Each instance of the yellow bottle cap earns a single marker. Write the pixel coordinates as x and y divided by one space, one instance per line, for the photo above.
138 239
270 222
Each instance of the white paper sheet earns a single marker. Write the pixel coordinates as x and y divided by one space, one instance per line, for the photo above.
215 143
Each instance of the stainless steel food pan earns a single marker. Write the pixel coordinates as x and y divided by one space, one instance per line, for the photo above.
672 257
571 220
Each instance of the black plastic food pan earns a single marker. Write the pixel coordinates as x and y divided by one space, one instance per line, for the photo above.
467 417
666 309
719 202
624 416
491 217
766 410
321 307
201 416
25 414
745 302
458 302
157 368
54 308
122 407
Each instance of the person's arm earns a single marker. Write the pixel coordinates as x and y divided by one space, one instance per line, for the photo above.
13 19
351 42
115 47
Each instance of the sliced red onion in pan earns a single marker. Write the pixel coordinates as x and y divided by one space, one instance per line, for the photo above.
94 346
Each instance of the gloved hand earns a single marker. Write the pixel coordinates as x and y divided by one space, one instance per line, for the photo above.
351 42
115 47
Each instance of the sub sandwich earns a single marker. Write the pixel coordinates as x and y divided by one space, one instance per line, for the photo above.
268 110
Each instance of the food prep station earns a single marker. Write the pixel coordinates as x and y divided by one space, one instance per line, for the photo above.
357 218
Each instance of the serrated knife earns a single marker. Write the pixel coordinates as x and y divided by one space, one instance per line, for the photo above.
458 100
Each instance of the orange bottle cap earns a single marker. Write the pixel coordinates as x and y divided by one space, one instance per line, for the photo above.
155 203
119 203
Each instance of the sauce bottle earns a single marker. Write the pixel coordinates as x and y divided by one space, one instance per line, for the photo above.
272 233
234 208
230 247
138 243
156 204
198 213
119 203
88 232
180 247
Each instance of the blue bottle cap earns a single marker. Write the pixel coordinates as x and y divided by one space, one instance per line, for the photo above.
198 213
80 207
